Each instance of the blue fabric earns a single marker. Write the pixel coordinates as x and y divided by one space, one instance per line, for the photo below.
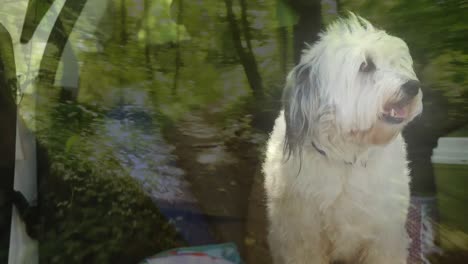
226 251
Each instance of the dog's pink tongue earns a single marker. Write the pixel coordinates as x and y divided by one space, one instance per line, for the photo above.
400 111
396 111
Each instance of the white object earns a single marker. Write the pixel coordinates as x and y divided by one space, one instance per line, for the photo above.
451 150
23 249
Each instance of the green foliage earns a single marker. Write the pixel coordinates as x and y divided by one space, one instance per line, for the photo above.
159 25
94 212
98 215
286 16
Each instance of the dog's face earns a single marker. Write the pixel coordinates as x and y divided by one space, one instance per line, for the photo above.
356 82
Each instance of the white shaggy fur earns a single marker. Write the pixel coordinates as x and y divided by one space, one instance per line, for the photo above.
336 173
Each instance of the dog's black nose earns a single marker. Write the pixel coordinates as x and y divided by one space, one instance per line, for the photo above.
411 87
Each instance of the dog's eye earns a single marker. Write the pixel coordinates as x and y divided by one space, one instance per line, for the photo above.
367 66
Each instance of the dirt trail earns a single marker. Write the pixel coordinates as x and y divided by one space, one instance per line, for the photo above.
226 183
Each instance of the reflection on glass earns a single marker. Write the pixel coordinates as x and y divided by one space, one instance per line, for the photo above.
151 117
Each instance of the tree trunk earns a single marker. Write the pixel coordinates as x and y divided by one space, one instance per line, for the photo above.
245 25
420 145
247 59
123 43
178 58
147 40
309 25
123 24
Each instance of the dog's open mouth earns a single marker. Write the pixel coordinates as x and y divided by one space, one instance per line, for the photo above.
395 113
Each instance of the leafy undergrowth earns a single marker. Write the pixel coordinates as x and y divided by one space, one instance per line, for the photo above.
92 211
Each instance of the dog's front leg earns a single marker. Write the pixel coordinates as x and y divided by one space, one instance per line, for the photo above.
390 248
295 235
296 251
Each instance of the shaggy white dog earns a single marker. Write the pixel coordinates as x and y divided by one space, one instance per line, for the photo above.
336 172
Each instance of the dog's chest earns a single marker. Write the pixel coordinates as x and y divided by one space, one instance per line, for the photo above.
362 187
353 199
349 188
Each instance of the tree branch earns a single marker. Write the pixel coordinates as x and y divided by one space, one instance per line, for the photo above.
247 58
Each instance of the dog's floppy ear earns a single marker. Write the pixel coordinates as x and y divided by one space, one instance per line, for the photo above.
300 103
